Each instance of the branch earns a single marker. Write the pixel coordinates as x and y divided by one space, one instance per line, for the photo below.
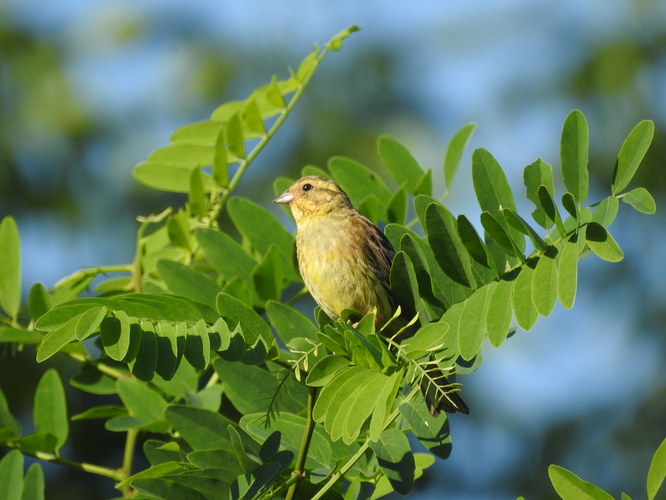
299 470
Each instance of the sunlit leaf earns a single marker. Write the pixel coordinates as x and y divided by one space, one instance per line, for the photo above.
10 270
523 304
454 151
602 243
472 325
657 471
631 154
574 155
567 273
544 285
500 312
606 211
571 487
400 162
50 411
641 200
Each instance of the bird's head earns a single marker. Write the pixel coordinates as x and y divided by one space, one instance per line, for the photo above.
313 196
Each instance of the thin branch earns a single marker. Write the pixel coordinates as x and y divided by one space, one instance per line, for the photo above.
128 456
299 470
114 474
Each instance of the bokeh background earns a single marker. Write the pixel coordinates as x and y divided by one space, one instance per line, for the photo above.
88 88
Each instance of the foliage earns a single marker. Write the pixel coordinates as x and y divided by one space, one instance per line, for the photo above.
202 314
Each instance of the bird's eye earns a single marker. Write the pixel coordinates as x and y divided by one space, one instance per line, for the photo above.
307 187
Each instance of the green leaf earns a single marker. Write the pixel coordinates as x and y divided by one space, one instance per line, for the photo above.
497 230
166 489
202 429
262 229
221 160
400 162
183 280
404 285
197 345
550 209
641 200
268 275
537 174
325 370
567 273
233 136
602 243
574 155
571 487
606 211
631 154
544 285
657 471
11 475
290 323
517 222
202 133
447 245
397 206
358 181
167 177
291 428
569 204
473 243
395 459
50 411
115 335
472 325
57 339
33 484
141 401
38 301
10 270
253 124
7 421
197 194
224 254
424 185
254 327
236 377
493 191
454 151
433 432
523 304
89 322
500 312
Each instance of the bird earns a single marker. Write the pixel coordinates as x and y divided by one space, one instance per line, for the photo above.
345 262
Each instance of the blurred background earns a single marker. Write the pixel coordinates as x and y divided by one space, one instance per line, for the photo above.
88 88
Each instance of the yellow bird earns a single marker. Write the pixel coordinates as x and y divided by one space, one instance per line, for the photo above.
345 262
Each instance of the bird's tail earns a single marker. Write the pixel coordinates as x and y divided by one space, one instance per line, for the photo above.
440 394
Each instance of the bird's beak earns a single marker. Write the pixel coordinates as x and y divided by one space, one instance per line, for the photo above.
284 198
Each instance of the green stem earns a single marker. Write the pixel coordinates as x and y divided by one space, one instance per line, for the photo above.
114 474
104 368
128 456
219 203
299 470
